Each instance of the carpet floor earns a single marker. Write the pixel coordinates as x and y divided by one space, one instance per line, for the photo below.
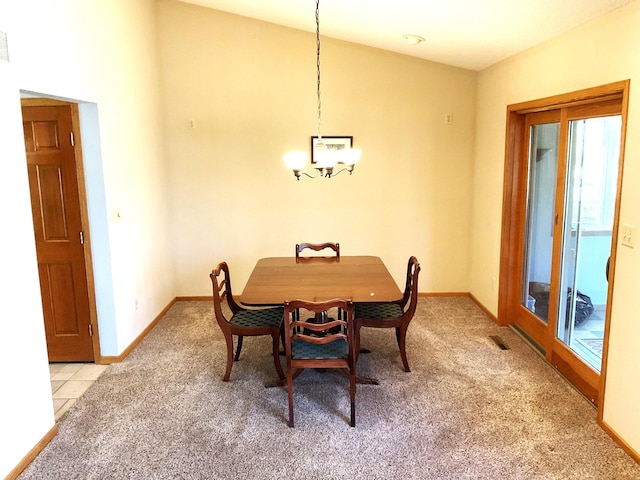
468 410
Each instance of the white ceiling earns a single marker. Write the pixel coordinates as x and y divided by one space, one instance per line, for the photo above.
472 34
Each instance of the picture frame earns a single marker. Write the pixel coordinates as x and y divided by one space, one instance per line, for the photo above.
331 143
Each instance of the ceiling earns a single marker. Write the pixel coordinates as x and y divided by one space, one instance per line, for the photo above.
472 34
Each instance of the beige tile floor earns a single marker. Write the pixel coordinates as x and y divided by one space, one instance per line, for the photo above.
69 381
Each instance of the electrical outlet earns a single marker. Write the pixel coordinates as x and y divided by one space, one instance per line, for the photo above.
628 236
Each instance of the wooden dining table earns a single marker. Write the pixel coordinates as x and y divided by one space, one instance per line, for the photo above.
275 280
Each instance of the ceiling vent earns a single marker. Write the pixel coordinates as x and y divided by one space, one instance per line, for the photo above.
4 49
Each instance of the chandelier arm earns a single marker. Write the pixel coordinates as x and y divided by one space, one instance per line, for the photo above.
344 169
298 173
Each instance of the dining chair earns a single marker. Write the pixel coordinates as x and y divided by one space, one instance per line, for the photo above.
396 314
309 345
243 322
317 247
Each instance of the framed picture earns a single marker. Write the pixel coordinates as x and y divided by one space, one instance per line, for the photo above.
331 143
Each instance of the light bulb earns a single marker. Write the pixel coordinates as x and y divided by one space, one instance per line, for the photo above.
351 156
295 160
329 158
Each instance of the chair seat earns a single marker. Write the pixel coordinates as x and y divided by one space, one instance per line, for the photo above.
243 322
378 310
270 317
303 350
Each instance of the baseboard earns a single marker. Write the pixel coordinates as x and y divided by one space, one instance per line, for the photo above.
195 298
443 294
462 294
33 453
624 445
106 360
486 311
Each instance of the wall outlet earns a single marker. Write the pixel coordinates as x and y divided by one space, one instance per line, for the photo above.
628 236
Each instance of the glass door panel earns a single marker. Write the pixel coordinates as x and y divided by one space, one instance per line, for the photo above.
590 196
540 214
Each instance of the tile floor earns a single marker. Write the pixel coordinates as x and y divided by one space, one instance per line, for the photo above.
591 328
69 381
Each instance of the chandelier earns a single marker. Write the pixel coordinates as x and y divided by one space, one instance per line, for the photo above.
325 158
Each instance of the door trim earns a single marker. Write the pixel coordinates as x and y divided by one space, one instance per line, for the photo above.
513 196
84 213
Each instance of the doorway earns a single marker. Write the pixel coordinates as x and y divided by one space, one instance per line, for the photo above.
561 199
56 182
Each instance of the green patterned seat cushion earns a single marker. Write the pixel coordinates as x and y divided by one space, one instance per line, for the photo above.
378 310
258 318
337 349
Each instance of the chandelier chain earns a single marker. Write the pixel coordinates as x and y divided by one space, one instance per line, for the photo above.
318 66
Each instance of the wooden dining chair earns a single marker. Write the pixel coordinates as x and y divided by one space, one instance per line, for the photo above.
317 247
243 322
309 345
396 315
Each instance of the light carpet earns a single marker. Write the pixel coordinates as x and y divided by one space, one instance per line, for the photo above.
468 410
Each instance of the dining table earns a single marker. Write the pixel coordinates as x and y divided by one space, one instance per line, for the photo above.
275 280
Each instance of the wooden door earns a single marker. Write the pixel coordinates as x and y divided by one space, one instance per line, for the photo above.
57 220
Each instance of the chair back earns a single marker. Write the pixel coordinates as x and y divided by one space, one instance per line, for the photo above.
318 345
317 247
243 322
221 282
410 295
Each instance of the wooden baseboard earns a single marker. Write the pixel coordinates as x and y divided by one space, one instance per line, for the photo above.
195 298
33 453
624 445
487 312
106 360
443 294
461 294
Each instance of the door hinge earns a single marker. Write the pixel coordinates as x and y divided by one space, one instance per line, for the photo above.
81 238
556 219
73 140
90 330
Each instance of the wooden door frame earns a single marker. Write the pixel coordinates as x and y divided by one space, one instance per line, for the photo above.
84 212
514 193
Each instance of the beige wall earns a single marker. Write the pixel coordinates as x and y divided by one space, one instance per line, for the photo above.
26 391
600 52
103 53
250 86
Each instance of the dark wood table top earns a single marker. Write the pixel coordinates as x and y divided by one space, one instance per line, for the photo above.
358 278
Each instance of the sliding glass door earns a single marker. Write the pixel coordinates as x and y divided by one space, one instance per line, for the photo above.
538 248
592 174
560 215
